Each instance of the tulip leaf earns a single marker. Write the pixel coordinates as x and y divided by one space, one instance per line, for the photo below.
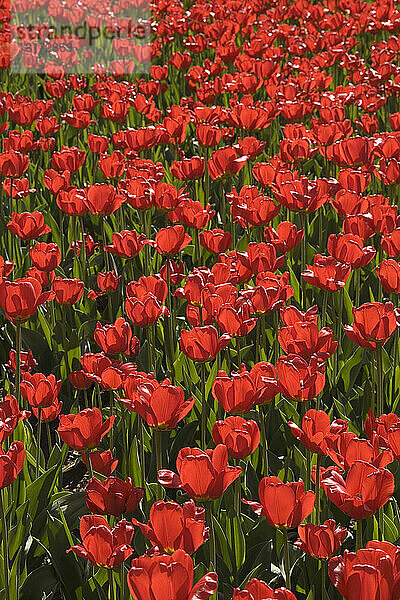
42 580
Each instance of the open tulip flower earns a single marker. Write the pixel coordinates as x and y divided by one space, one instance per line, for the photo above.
202 475
11 463
372 571
173 527
256 589
112 496
102 545
364 491
168 576
321 541
83 431
284 505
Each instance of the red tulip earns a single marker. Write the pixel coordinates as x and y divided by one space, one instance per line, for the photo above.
321 541
371 573
299 379
327 273
202 343
172 527
284 505
171 240
45 257
40 391
202 475
102 545
389 276
164 576
373 322
215 240
102 199
241 437
127 244
114 339
83 431
365 491
10 416
317 430
306 339
162 406
236 393
112 496
67 291
28 226
259 590
20 298
11 463
102 462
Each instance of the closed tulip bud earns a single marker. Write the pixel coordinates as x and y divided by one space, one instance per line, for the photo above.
321 541
102 545
102 462
215 240
389 276
112 496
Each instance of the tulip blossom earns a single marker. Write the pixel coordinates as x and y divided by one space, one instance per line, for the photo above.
365 490
236 393
171 240
40 391
112 496
173 527
321 541
373 322
168 576
202 344
371 573
389 276
114 339
20 298
299 379
202 475
317 430
344 449
102 545
306 340
102 462
11 463
162 406
67 291
284 505
126 244
83 431
327 273
259 590
28 226
241 437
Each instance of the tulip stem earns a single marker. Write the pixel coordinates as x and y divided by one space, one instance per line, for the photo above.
103 236
89 464
324 308
286 558
303 259
264 440
111 586
257 340
211 539
83 251
39 435
379 391
141 450
203 407
123 582
359 540
4 535
158 440
18 362
317 490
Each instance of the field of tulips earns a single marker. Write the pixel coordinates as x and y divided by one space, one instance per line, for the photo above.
199 300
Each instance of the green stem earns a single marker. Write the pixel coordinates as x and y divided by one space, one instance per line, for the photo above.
83 251
5 546
359 537
203 407
303 259
39 436
89 464
158 440
264 441
105 253
111 586
211 539
286 558
324 309
18 362
317 490
379 391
